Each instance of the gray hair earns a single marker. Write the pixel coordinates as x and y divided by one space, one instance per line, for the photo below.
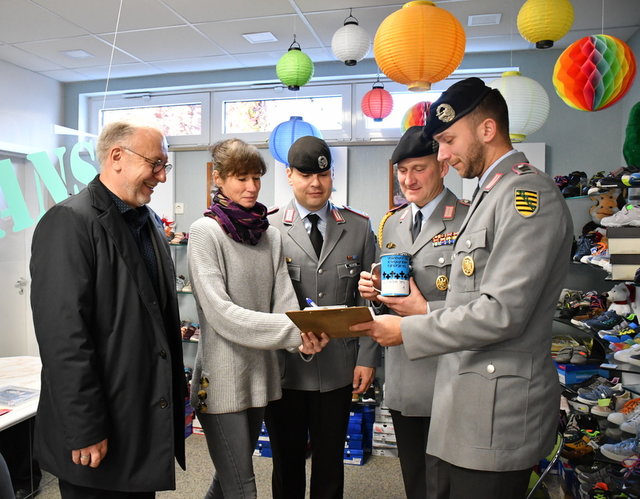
112 134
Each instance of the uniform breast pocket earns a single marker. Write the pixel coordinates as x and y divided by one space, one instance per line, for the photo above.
469 259
348 275
431 273
294 272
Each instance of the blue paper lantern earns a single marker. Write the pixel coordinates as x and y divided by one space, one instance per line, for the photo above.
286 133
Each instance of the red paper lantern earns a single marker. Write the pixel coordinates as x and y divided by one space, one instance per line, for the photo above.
377 103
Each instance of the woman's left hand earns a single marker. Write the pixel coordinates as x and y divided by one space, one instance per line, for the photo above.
312 344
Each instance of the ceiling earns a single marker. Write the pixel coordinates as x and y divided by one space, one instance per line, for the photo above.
177 36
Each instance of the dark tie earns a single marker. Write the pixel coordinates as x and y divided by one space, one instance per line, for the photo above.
417 226
315 235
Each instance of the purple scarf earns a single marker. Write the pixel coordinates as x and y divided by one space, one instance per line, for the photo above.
241 224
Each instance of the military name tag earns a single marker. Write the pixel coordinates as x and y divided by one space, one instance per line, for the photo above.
442 282
468 266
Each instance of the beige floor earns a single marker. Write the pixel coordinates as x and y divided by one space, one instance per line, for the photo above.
378 478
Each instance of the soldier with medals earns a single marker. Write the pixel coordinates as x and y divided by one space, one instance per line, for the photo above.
496 397
326 247
426 228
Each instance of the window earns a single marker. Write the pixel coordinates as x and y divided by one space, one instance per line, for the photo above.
252 114
184 119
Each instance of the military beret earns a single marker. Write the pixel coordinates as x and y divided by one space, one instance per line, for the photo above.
413 144
310 154
456 102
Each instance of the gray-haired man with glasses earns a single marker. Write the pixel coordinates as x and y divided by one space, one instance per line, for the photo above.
111 414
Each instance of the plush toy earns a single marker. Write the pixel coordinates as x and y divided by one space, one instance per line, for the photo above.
631 147
619 296
605 204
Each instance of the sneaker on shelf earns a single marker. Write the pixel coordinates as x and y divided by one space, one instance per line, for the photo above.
629 215
576 445
594 382
607 320
600 393
629 355
626 412
627 321
599 491
631 179
180 282
187 287
563 356
632 424
620 451
624 334
579 355
616 404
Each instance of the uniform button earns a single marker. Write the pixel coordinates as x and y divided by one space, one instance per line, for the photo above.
320 271
491 368
320 295
163 403
352 272
441 260
468 243
163 354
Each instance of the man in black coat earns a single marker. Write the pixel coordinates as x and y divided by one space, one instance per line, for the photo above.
111 413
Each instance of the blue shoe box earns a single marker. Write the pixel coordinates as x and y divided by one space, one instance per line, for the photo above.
354 442
354 457
263 449
570 374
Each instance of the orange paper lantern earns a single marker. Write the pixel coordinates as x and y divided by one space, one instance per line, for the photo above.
419 44
594 73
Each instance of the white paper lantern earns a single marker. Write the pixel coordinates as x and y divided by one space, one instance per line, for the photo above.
528 103
351 43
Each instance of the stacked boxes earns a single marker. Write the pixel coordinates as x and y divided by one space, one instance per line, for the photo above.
263 447
359 434
624 250
384 437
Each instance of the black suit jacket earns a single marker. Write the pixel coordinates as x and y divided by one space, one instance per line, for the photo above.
111 348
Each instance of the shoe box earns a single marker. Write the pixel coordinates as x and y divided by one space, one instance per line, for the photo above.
624 250
570 374
359 434
384 439
263 447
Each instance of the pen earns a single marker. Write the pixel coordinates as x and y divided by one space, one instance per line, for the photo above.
310 302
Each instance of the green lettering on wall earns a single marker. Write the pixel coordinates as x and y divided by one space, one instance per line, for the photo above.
16 205
82 170
49 174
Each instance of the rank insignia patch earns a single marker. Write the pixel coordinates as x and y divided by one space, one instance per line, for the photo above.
526 202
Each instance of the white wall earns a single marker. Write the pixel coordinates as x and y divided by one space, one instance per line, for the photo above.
30 105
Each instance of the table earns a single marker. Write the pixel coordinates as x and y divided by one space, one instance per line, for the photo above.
23 372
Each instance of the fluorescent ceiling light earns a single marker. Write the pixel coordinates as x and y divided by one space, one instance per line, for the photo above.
77 54
484 20
263 37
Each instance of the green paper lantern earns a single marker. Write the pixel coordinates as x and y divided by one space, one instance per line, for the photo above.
294 68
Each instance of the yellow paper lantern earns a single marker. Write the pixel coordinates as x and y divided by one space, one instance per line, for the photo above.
545 21
419 44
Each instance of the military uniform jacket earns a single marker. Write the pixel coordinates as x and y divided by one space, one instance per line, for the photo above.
496 394
349 247
409 383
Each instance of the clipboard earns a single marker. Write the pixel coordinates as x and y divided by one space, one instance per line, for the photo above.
334 321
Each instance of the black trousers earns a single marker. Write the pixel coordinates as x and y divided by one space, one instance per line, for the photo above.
71 491
323 418
422 473
465 483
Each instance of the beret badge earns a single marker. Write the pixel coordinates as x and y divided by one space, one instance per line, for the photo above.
323 163
445 113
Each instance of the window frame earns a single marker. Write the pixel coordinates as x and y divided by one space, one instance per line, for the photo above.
150 99
220 97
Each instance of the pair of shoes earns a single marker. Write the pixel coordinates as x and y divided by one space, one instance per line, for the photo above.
629 215
606 320
624 334
621 451
629 355
573 355
626 412
600 393
616 404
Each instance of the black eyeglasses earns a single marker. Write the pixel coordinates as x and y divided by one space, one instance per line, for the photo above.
156 166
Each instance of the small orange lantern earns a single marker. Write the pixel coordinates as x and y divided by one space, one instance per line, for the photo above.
419 44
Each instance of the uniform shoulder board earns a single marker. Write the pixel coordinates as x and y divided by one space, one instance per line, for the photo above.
465 202
357 212
396 208
523 169
272 210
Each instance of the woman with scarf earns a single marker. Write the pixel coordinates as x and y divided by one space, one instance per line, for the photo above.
242 289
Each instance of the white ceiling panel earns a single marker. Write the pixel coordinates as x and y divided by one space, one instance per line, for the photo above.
160 36
168 43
